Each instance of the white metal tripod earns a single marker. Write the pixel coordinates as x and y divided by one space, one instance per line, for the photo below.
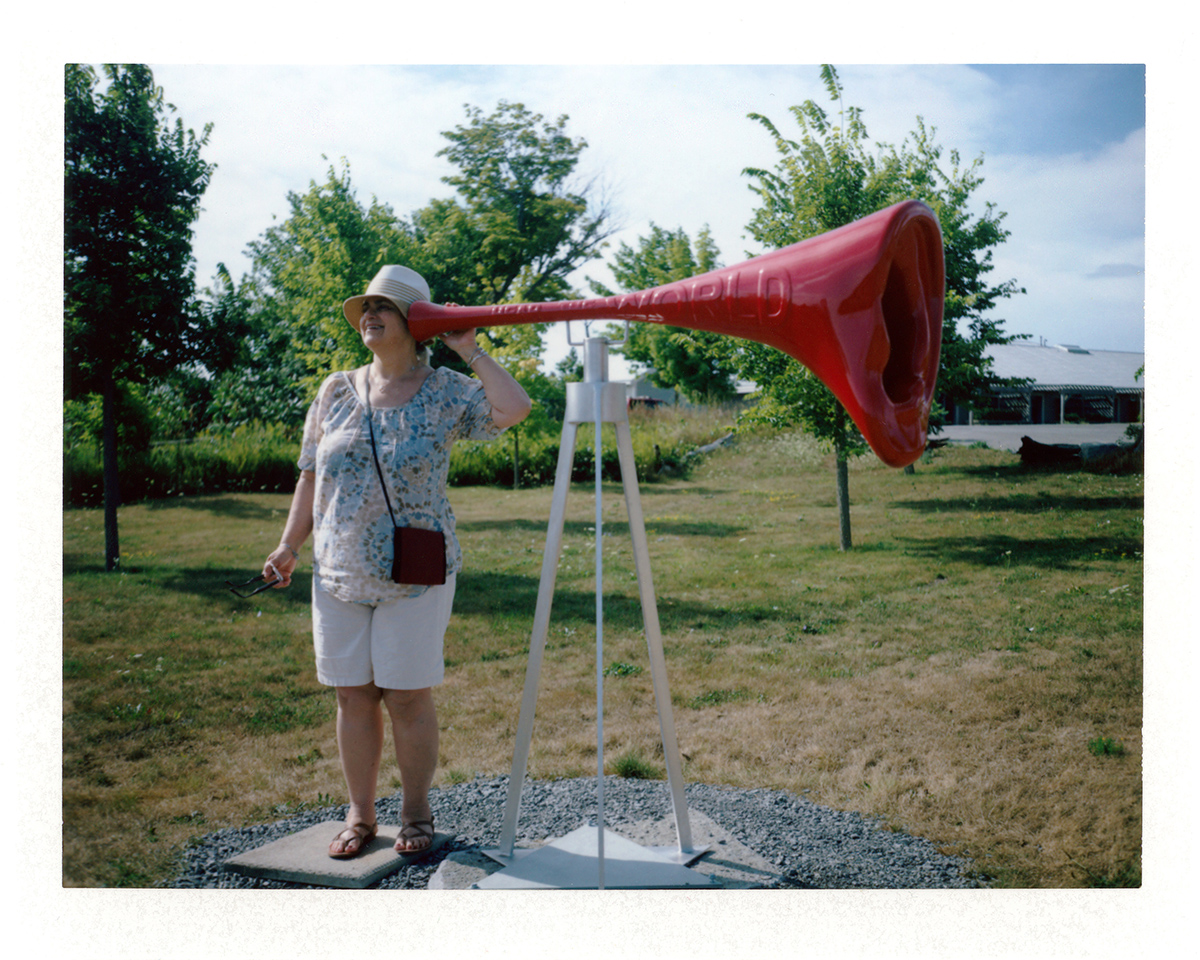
579 860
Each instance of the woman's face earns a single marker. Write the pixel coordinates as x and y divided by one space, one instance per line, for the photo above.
381 324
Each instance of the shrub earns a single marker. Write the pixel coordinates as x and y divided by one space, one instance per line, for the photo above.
1106 747
261 458
631 766
662 440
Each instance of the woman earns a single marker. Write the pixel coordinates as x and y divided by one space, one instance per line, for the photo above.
379 643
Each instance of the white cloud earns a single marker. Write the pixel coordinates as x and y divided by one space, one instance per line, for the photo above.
1074 218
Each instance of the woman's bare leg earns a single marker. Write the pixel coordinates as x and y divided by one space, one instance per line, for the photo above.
415 732
360 747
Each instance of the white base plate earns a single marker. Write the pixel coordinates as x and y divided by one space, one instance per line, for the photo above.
573 863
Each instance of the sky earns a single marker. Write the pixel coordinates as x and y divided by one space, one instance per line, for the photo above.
1063 150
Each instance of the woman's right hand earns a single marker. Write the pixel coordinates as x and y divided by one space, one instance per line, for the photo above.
279 566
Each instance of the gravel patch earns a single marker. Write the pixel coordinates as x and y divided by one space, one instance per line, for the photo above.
811 846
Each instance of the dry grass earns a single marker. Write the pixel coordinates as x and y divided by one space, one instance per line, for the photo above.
948 674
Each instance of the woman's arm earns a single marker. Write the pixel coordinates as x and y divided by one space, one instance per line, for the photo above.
282 560
510 403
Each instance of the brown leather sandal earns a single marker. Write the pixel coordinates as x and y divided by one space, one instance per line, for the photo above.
360 833
414 831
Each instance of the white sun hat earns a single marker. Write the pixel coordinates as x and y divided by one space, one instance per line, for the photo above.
399 284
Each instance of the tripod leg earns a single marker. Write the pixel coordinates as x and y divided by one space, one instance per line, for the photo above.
537 641
658 667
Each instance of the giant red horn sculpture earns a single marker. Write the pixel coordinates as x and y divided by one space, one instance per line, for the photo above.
860 306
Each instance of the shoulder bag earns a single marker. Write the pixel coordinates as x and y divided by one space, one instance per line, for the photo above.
418 555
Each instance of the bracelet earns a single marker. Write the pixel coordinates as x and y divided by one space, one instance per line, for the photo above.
479 352
295 555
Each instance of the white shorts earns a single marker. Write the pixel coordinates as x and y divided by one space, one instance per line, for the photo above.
397 645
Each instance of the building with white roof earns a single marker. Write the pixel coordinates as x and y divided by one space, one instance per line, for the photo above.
1065 383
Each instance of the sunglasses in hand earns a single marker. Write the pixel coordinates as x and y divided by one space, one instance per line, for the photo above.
237 588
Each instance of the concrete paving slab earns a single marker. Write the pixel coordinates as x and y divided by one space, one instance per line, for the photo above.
303 857
729 864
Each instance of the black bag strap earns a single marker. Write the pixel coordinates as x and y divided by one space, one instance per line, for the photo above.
374 452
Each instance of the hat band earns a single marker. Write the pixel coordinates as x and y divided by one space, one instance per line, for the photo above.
396 290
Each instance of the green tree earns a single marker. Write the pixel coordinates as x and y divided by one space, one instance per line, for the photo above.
513 233
517 229
685 359
328 248
965 375
828 178
519 226
523 226
132 188
265 381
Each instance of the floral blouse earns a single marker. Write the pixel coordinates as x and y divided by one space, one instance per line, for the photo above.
352 530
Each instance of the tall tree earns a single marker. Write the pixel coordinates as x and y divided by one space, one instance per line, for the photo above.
526 224
133 183
965 376
518 227
328 248
828 178
520 224
673 356
264 383
514 232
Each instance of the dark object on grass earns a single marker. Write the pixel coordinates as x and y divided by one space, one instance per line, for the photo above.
1049 455
1093 457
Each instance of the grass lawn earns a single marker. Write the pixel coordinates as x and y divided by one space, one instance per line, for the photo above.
971 671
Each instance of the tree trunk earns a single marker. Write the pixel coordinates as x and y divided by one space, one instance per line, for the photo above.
843 503
843 484
112 489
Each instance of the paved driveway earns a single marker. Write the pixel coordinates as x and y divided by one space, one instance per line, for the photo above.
1008 436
